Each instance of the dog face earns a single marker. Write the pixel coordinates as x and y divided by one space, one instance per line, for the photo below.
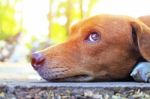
100 48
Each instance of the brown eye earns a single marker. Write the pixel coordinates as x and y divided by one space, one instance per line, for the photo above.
93 37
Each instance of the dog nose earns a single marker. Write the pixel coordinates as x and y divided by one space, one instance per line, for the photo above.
37 60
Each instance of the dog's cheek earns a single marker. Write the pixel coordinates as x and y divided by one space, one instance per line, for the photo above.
92 50
91 58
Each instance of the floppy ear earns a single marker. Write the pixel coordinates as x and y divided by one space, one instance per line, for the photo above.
143 38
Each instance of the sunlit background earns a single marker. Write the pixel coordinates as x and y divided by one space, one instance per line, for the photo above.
30 25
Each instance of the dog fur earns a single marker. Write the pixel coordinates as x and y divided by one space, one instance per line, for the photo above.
122 42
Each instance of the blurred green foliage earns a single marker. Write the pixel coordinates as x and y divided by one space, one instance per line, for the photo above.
63 13
8 24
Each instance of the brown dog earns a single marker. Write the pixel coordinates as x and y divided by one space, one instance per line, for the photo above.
100 48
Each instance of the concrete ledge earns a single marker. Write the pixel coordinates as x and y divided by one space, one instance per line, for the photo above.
31 89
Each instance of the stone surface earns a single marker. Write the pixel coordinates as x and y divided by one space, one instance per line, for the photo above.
19 84
35 89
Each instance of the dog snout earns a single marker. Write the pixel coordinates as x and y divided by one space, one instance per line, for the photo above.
37 60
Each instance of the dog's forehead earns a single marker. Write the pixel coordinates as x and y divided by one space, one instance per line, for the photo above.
103 21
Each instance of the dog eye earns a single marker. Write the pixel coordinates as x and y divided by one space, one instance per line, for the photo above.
93 37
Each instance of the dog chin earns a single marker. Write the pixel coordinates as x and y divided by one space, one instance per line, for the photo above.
78 78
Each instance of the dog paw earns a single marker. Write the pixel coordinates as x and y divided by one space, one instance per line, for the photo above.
141 72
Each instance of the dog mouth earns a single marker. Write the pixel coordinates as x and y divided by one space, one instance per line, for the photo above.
76 78
61 74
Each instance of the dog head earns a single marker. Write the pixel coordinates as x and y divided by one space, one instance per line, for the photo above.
100 48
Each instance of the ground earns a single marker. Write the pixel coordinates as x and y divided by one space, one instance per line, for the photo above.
34 89
22 82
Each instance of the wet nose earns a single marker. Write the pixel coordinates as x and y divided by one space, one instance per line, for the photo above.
37 60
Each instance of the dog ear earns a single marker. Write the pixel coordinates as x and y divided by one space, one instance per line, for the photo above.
142 33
